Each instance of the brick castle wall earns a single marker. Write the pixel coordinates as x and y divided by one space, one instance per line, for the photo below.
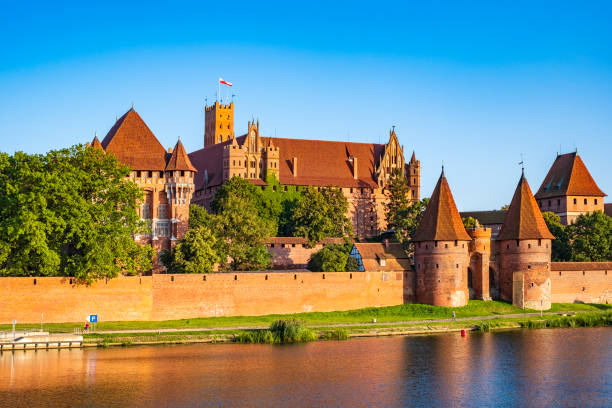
165 297
588 282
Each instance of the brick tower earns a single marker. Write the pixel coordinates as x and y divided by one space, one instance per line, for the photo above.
524 247
179 174
218 123
441 251
480 255
413 176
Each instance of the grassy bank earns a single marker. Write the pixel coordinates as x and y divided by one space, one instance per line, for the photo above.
303 333
391 314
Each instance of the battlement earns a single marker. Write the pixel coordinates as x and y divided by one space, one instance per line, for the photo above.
218 106
479 232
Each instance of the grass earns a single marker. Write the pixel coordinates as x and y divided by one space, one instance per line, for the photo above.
280 331
388 314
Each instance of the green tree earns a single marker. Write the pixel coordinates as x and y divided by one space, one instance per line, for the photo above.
321 214
282 199
199 217
239 189
592 237
331 258
242 234
196 252
470 222
70 212
402 214
561 250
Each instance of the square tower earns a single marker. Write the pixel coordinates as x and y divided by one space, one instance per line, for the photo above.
218 123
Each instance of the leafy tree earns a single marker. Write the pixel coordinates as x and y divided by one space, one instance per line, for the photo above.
70 212
403 214
242 234
283 198
196 253
321 214
331 258
561 250
239 189
351 264
592 237
199 217
470 222
505 207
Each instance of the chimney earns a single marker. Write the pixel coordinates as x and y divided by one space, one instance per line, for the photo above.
294 166
355 173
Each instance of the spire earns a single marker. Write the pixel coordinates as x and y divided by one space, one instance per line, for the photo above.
413 158
96 142
179 159
524 219
441 220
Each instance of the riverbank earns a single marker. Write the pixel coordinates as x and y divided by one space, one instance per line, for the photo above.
409 319
571 315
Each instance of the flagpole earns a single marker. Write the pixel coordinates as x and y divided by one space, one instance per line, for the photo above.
218 90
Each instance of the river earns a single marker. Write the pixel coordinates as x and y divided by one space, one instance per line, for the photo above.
519 368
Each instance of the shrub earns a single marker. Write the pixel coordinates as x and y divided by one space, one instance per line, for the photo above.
292 331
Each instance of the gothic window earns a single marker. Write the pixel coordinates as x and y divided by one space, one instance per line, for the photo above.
161 211
162 228
145 211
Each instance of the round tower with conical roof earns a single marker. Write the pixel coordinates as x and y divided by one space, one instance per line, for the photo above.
524 247
441 251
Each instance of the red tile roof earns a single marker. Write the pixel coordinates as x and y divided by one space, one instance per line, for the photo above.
524 219
96 143
581 266
133 143
441 220
179 159
568 176
320 163
396 259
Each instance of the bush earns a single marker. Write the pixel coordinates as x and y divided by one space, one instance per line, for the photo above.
337 334
292 331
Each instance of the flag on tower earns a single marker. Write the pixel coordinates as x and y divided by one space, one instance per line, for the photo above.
224 82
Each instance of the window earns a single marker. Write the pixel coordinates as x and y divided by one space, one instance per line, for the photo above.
585 201
145 211
540 204
575 201
549 203
595 201
558 202
161 211
162 228
138 175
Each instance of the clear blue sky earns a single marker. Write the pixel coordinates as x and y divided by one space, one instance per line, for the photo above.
472 86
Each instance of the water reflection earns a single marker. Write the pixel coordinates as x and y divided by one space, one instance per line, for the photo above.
566 367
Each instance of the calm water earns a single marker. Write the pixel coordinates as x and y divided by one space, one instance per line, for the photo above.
564 367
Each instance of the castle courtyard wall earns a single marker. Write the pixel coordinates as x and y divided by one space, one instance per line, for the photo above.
582 282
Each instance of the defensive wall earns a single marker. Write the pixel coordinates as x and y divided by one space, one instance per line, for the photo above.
166 297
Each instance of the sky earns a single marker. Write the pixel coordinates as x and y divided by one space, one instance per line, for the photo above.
474 86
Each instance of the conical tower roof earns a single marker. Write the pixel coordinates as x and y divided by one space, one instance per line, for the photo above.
179 159
96 143
524 219
133 143
441 220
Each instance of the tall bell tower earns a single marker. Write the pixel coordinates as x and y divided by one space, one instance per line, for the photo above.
218 123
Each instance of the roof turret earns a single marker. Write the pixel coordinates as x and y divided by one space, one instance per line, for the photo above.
524 219
179 159
441 220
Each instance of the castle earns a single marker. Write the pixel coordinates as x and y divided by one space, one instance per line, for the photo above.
361 170
166 178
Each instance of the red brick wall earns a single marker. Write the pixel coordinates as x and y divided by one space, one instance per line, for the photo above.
164 297
441 273
591 285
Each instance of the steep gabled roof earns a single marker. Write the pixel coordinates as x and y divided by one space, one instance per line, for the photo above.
568 176
394 255
441 220
133 143
524 219
179 159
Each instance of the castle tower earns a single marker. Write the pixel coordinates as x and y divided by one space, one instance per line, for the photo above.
413 175
524 246
480 255
234 161
218 123
179 174
441 251
271 158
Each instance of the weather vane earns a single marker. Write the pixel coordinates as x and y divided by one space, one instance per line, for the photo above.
522 163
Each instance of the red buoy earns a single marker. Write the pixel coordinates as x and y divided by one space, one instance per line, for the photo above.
462 332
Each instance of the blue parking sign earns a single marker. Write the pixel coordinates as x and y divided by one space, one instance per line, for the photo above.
93 318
